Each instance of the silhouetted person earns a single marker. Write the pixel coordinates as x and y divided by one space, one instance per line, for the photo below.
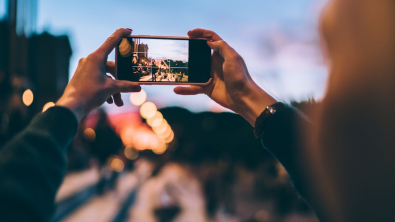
33 164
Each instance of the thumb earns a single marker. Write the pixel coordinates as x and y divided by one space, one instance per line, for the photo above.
125 86
220 46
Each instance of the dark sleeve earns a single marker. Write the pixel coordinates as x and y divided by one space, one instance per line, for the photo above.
32 166
282 137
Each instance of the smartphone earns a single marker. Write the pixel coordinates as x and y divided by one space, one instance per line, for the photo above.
163 60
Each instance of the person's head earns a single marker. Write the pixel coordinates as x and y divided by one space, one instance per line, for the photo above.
353 29
355 121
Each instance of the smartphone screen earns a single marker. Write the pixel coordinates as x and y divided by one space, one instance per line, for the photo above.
163 60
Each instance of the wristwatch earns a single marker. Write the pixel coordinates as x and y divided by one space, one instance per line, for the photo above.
265 115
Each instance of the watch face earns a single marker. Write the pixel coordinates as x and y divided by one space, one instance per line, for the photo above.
271 109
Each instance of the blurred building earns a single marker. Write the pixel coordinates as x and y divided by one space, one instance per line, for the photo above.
141 49
39 62
48 62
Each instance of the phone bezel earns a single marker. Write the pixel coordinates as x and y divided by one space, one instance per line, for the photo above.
162 83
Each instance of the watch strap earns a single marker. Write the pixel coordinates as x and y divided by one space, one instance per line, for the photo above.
265 115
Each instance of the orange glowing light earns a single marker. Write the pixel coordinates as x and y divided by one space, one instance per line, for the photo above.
48 105
127 135
27 97
148 110
117 164
89 134
169 138
138 98
143 142
162 127
161 149
156 120
165 134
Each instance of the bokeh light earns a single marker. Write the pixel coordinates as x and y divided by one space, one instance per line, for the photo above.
162 127
48 105
148 110
27 97
156 120
169 138
160 149
89 134
165 134
117 164
146 141
131 153
138 98
127 135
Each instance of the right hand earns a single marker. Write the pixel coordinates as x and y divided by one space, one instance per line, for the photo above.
232 85
90 87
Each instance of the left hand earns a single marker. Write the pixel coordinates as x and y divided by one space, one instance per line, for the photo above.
232 86
90 86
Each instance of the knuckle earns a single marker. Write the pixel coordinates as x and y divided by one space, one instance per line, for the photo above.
113 84
110 38
234 56
82 60
222 42
93 57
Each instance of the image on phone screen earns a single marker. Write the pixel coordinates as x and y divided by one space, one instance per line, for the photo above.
160 60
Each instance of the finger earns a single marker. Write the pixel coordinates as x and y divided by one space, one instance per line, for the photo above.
124 86
203 33
110 68
191 90
109 100
226 52
117 99
111 42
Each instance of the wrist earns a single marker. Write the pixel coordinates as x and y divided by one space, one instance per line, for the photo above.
254 104
73 104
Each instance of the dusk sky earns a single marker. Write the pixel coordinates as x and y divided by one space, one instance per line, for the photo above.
167 49
278 39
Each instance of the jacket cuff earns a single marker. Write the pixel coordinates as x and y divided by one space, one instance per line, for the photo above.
60 121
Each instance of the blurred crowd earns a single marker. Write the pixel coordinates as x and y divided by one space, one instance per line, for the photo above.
209 173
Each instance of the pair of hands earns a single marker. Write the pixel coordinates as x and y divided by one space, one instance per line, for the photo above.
232 85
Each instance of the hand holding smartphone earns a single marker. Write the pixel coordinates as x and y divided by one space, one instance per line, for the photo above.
163 60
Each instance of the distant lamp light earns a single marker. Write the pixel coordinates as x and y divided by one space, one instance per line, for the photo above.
148 110
156 120
139 98
169 138
162 127
89 134
160 149
165 134
48 105
27 97
127 135
131 153
117 164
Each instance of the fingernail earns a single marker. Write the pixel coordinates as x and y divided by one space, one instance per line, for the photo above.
189 32
211 40
129 29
